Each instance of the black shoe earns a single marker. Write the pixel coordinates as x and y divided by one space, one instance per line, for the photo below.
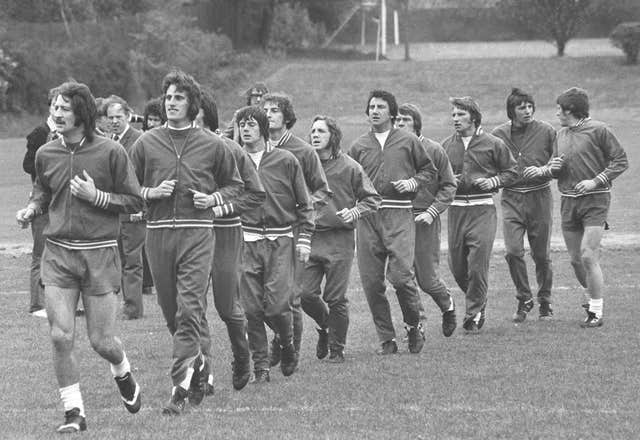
388 347
449 321
198 380
546 312
276 352
73 422
322 347
592 321
524 307
416 338
261 376
336 356
129 392
177 403
289 360
471 327
241 373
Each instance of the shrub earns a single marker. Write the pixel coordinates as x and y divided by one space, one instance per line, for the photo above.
293 29
626 36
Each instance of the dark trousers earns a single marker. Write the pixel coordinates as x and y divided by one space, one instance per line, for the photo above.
225 276
180 262
36 288
130 242
266 282
385 247
529 212
471 230
427 261
331 259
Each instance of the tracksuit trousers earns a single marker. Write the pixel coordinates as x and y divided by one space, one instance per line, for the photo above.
529 212
130 242
471 231
225 277
180 262
331 259
427 262
266 282
36 287
385 247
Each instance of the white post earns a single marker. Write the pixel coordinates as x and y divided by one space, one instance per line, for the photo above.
383 28
396 28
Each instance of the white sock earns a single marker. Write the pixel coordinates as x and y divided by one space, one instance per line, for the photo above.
595 306
477 317
119 370
187 379
451 305
71 398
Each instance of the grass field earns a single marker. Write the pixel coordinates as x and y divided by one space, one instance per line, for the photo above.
537 380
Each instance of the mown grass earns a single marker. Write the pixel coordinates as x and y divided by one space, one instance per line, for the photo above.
533 380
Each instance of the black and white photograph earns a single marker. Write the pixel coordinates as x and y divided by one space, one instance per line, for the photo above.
320 219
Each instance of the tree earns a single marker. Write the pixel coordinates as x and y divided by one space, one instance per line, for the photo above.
559 19
626 36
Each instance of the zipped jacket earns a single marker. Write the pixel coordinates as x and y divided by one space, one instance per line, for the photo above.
590 151
486 156
197 161
438 194
74 219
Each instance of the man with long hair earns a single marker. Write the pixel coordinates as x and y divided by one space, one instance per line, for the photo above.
184 173
81 257
270 244
333 241
282 117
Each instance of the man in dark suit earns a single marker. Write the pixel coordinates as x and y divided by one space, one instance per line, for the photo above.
132 226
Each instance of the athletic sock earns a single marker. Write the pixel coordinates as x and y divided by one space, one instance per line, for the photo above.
119 370
477 317
71 398
451 304
595 306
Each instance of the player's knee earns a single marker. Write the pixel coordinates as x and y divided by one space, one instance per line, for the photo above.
513 253
589 257
101 344
62 339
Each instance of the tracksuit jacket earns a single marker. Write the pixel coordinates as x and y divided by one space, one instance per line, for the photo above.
197 161
72 220
591 151
527 152
288 202
253 194
402 157
311 167
486 157
437 195
351 188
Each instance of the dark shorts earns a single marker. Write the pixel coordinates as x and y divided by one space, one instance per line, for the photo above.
94 272
580 212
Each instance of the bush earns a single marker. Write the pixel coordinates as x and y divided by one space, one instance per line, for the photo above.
293 29
626 36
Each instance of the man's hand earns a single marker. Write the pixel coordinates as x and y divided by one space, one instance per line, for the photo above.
303 252
532 172
483 183
202 200
404 186
458 178
347 215
425 217
556 163
162 191
83 189
585 186
24 217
